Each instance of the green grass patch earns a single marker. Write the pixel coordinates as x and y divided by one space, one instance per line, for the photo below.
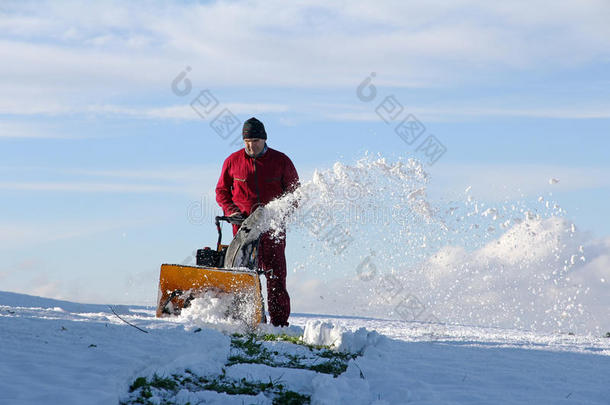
270 337
291 398
333 367
163 383
250 349
242 387
247 344
321 350
272 350
138 383
142 389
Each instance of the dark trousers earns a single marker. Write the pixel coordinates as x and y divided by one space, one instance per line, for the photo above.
272 261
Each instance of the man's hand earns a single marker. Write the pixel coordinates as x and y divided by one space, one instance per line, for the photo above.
237 218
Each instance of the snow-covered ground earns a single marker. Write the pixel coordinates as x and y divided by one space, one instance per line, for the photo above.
57 352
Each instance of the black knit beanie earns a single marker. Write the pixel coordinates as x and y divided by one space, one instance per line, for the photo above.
253 128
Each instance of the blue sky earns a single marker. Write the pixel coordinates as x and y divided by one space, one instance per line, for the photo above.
101 161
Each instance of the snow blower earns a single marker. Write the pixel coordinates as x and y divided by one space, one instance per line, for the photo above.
229 271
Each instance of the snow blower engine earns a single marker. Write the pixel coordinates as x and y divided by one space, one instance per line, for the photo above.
215 258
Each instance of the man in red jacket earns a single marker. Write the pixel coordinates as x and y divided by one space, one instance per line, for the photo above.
251 177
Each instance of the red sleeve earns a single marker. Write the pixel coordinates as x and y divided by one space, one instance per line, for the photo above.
290 178
224 190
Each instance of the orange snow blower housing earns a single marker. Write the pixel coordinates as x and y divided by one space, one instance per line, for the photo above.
230 270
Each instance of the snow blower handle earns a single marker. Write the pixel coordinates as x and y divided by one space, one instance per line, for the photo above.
233 220
217 222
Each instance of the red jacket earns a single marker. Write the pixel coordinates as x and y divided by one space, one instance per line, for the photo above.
246 182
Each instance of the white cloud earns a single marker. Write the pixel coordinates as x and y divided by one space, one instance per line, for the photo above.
52 108
42 282
23 234
71 57
522 279
496 182
534 276
163 174
449 113
291 44
441 112
26 130
89 187
42 286
172 180
185 112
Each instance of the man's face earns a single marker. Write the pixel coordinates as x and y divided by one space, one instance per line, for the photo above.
254 146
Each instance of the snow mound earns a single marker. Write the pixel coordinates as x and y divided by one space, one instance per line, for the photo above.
321 333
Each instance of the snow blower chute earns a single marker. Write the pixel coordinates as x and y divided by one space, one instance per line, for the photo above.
229 271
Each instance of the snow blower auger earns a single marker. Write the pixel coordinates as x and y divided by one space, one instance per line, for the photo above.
230 270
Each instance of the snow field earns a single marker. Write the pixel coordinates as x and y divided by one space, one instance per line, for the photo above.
57 352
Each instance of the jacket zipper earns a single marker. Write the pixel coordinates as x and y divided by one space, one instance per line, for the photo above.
258 194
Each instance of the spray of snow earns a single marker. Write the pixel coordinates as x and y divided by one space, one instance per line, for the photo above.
222 311
372 242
